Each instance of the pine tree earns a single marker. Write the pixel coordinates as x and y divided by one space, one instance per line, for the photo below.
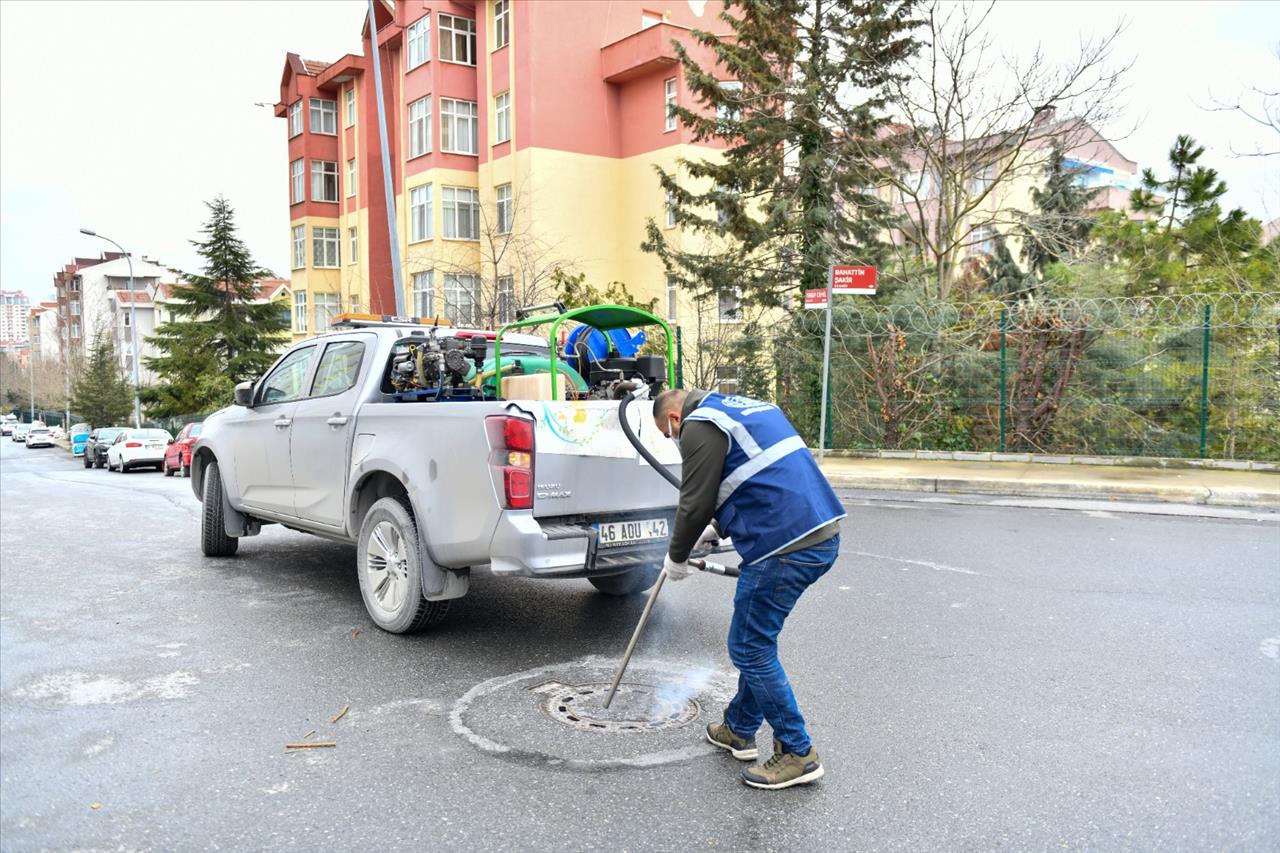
1002 273
796 188
1061 224
219 337
101 395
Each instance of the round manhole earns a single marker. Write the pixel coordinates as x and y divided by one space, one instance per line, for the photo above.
635 707
554 715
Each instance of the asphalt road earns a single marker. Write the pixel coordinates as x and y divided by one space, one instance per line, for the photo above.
975 676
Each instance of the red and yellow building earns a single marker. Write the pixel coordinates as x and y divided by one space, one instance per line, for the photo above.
521 134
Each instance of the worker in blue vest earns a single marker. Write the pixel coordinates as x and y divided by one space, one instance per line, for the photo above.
748 476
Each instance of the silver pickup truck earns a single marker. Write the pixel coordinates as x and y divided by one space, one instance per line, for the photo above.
429 491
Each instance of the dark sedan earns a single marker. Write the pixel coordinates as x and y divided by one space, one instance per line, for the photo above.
95 451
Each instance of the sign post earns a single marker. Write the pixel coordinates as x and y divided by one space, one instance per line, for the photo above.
840 279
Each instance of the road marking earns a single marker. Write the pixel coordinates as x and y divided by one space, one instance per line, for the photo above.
937 567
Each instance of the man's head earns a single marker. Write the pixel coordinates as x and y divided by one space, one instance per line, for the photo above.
666 411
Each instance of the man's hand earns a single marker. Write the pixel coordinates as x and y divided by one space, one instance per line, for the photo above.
710 538
676 571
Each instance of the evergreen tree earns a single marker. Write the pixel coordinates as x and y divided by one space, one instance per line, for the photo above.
219 337
101 395
1003 275
1061 224
796 189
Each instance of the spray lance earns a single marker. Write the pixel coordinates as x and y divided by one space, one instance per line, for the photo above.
701 565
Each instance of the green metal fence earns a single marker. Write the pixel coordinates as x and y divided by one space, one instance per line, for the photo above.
1189 376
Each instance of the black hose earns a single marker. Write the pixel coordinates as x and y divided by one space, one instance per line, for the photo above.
662 470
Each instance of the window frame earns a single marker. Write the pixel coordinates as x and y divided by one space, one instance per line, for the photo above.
417 202
295 118
446 203
729 114
349 106
320 234
670 99
670 206
418 123
504 209
321 173
300 321
453 31
326 108
355 380
429 290
721 317
505 297
353 245
326 301
298 236
259 393
502 117
449 120
673 300
423 37
473 292
501 34
297 181
351 177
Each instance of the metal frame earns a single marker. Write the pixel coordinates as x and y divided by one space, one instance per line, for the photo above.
635 317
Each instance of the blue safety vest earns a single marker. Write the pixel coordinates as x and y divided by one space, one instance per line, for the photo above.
772 493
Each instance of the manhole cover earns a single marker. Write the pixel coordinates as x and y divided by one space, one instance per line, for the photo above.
635 707
554 715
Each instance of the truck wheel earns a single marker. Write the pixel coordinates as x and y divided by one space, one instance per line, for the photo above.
635 580
389 563
214 540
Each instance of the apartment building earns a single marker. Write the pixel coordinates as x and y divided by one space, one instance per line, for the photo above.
14 309
43 335
523 136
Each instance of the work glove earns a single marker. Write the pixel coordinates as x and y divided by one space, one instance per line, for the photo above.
676 571
710 538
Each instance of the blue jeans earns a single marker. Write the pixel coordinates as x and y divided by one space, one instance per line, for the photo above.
767 592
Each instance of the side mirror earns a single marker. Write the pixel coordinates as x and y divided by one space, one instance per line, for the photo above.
244 395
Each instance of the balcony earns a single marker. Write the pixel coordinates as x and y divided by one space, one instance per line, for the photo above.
645 52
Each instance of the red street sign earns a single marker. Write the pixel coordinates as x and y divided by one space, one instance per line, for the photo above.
852 280
815 298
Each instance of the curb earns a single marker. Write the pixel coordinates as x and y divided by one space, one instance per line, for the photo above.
1100 491
1055 459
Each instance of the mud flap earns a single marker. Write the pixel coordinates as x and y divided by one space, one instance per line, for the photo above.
236 523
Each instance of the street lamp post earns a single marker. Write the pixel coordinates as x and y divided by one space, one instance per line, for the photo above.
133 328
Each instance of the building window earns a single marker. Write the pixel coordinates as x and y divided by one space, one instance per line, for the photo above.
982 240
324 247
916 186
459 126
74 287
420 213
299 246
460 298
420 127
669 100
729 308
75 308
424 294
502 118
506 216
506 299
300 311
457 39
730 112
297 188
324 180
673 293
295 118
326 310
351 177
350 95
981 181
671 209
324 116
722 207
461 214
125 318
501 23
75 330
419 39
353 245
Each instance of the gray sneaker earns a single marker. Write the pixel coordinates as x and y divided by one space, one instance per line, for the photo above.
722 736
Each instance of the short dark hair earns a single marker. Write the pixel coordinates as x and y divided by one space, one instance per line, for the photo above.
667 402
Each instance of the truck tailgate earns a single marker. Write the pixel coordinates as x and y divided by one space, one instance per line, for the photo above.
586 467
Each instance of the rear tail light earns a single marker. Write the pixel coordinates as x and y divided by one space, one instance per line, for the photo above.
133 444
515 459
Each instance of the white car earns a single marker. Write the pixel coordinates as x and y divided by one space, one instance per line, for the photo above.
138 448
39 437
20 433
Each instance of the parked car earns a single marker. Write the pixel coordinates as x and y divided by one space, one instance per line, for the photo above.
57 432
20 433
137 448
7 423
79 438
95 450
178 456
39 437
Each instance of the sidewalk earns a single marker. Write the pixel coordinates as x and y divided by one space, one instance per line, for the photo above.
1021 479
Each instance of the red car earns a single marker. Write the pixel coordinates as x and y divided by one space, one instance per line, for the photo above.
177 456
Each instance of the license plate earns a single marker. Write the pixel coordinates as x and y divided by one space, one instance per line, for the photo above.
153 444
615 533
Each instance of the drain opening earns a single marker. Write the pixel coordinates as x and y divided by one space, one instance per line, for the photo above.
635 707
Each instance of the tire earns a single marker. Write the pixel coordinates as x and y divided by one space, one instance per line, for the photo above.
214 541
632 581
407 611
99 463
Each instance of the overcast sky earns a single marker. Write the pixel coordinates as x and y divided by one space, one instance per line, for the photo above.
126 116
